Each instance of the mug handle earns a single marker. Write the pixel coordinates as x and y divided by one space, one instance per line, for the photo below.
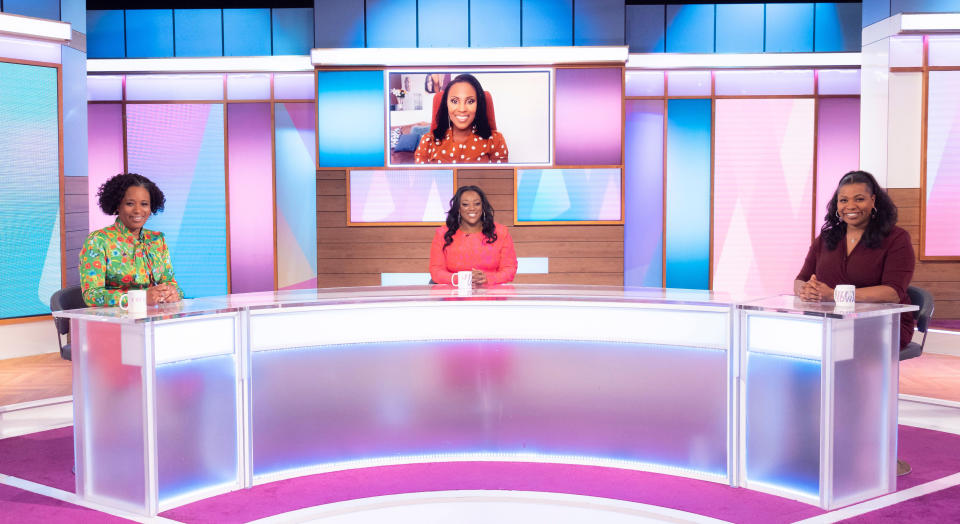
124 298
452 283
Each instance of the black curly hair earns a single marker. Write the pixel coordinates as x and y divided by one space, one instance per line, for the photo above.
453 216
879 225
111 193
481 124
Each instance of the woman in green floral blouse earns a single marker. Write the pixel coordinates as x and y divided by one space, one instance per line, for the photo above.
125 255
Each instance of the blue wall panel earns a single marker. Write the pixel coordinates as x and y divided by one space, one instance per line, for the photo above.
688 194
547 22
74 113
495 23
789 28
149 33
292 31
739 28
105 37
246 32
198 32
645 28
338 24
598 22
49 9
350 118
875 11
924 6
442 23
74 12
643 197
690 28
837 27
391 23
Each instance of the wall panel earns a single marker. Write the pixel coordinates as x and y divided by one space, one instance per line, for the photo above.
292 30
643 199
106 38
598 22
443 23
495 23
149 33
339 24
104 155
547 22
355 97
838 148
294 133
644 31
942 183
391 23
198 32
789 28
740 28
585 138
246 32
690 28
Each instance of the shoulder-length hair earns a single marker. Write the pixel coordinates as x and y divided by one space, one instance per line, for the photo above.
879 225
453 216
111 192
481 125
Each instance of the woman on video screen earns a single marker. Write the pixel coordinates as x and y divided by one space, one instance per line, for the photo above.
463 134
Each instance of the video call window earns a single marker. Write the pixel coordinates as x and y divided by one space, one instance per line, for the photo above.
517 104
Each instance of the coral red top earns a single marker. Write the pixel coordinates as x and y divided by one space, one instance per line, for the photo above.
471 251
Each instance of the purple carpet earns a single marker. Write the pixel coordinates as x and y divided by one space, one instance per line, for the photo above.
46 458
945 323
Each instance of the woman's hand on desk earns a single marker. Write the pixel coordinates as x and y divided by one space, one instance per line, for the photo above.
161 294
815 291
479 278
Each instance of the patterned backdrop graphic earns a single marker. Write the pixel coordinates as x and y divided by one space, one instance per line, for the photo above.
943 165
400 196
180 147
762 194
29 189
296 195
565 195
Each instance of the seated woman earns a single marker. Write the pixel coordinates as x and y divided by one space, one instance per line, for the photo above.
860 244
472 241
126 256
463 133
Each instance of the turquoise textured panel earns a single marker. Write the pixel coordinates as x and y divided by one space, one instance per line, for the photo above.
645 29
246 32
350 112
391 23
338 24
598 22
495 23
105 37
739 28
690 28
149 33
789 28
547 22
688 193
198 32
292 31
837 27
442 23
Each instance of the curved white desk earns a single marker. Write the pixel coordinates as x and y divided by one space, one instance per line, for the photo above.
213 395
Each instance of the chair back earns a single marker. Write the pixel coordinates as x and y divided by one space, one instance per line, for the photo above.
67 298
922 298
438 98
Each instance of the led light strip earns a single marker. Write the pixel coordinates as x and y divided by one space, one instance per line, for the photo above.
745 60
474 56
34 28
928 22
219 64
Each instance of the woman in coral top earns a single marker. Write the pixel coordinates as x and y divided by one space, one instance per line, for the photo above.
463 134
472 241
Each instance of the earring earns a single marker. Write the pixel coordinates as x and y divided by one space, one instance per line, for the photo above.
838 216
873 212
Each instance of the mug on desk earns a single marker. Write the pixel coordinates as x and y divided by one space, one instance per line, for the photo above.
134 301
463 280
845 295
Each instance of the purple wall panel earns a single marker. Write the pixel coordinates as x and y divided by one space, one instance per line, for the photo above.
838 148
643 209
250 168
104 155
589 116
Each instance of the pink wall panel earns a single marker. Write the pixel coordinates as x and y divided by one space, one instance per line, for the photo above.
763 185
250 168
943 166
838 148
105 154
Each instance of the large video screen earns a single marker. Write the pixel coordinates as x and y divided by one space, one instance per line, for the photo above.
426 128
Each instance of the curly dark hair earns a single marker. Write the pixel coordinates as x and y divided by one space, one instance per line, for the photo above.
879 225
481 125
111 193
453 216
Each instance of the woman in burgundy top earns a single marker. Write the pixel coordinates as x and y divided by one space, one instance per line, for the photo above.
472 241
860 244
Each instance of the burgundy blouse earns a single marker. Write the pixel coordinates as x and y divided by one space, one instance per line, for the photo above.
891 264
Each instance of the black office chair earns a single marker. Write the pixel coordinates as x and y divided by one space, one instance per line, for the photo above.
66 298
920 297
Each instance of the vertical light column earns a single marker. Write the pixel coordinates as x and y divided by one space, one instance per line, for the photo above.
104 156
643 209
296 195
688 193
250 168
350 116
942 184
838 148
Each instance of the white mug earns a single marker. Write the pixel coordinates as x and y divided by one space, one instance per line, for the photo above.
845 295
136 301
464 281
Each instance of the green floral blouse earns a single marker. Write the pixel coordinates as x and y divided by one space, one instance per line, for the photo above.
113 260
